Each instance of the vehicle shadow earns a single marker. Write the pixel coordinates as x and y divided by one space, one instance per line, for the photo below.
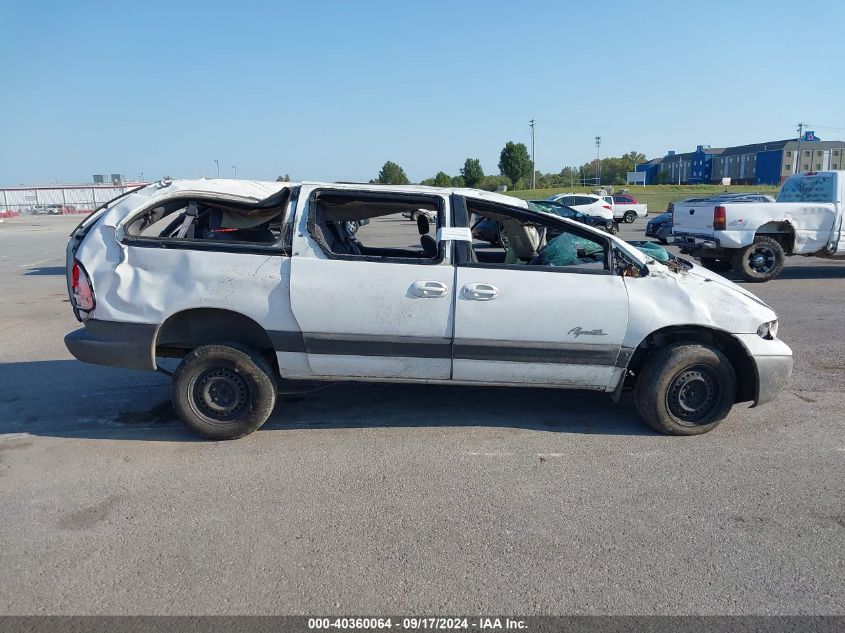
67 398
826 271
46 270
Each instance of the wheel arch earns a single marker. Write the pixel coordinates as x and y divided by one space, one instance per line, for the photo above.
781 231
725 342
188 329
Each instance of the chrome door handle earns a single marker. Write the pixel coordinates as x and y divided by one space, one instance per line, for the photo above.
428 289
480 292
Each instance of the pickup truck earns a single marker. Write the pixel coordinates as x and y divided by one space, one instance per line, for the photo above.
628 208
755 238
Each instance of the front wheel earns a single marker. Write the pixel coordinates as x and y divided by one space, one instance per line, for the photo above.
685 389
224 391
629 217
612 228
761 260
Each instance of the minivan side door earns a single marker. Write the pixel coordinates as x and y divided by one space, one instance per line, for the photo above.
375 304
539 322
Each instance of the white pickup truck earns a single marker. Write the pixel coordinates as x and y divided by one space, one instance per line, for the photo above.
627 208
754 238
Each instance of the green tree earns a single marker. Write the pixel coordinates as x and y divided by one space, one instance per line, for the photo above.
514 162
442 179
472 172
391 174
491 183
285 178
458 181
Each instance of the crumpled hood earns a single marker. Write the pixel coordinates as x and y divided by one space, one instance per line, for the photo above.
695 297
706 273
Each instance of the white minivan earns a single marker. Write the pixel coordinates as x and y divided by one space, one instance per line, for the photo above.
249 282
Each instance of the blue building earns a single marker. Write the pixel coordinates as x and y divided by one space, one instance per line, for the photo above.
756 164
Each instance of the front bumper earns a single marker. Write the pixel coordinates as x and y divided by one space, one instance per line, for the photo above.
772 361
773 373
114 343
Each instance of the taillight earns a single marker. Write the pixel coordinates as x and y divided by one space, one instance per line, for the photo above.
80 287
608 207
719 219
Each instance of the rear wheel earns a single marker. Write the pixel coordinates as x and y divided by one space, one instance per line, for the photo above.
224 391
685 389
629 217
760 261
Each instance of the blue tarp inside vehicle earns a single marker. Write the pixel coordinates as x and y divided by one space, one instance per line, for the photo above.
655 251
564 250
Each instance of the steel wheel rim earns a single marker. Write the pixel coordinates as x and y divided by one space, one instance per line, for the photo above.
693 395
220 394
762 259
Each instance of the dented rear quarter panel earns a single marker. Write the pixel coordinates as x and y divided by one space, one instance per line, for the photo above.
148 284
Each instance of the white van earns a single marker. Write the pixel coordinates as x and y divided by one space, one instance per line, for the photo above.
248 282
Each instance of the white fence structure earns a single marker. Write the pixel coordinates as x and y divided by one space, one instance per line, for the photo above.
60 199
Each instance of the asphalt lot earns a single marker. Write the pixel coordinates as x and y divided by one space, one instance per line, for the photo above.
386 499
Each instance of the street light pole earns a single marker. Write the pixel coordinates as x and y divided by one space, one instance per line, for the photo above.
798 153
217 162
598 162
533 163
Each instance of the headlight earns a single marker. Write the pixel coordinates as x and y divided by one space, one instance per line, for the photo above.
768 330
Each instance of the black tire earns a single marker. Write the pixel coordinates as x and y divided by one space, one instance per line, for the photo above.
613 228
685 389
629 217
760 261
716 264
224 391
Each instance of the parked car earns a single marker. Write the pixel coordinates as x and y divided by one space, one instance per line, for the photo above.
47 209
586 203
627 208
414 214
249 282
660 227
552 206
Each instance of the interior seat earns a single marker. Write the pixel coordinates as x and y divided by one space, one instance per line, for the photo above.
428 243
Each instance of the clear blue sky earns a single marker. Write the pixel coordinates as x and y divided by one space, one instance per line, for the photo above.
329 91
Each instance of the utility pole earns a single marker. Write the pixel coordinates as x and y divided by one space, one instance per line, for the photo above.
217 162
235 172
680 167
798 153
598 162
533 164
